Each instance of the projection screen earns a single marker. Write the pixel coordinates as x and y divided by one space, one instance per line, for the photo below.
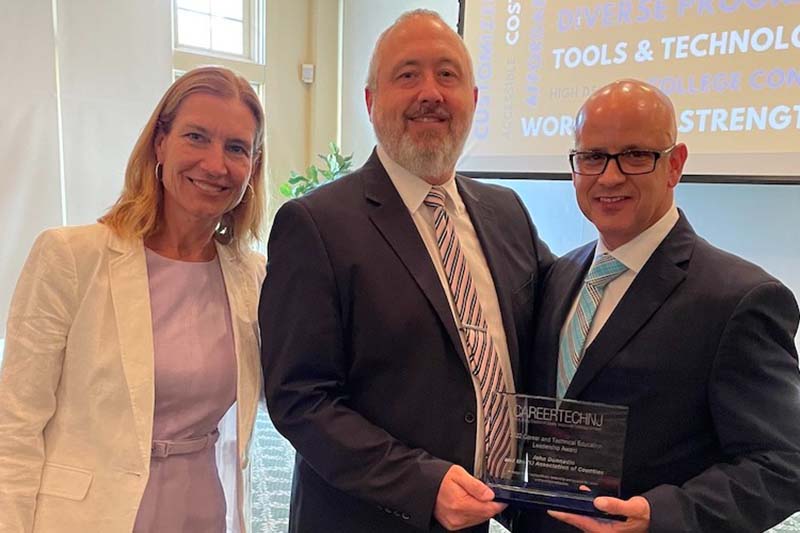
731 67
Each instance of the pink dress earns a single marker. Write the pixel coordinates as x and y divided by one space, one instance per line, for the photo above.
195 384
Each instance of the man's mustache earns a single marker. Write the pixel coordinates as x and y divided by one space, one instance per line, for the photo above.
428 110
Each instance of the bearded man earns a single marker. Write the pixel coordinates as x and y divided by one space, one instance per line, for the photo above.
398 303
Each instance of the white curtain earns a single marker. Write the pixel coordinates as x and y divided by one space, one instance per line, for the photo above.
30 183
115 62
78 85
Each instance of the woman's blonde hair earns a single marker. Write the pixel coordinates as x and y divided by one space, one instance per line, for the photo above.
138 210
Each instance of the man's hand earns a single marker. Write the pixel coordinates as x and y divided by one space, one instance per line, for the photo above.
637 509
464 501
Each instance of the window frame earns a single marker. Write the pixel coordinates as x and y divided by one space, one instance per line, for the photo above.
251 65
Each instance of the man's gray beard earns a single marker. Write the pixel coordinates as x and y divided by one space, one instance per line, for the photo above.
434 157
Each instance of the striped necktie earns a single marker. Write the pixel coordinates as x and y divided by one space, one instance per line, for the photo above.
604 270
483 359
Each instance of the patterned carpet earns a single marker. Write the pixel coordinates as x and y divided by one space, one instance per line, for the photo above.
271 477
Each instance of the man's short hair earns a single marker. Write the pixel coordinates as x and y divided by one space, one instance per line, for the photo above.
372 74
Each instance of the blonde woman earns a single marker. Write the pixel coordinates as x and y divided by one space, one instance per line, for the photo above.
129 339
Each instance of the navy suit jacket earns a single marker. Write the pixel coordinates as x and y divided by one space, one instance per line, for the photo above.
365 371
701 349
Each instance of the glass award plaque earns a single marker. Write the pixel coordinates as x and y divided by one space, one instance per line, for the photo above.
564 454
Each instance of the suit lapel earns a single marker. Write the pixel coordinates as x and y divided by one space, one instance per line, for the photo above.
130 294
659 277
240 293
491 237
390 216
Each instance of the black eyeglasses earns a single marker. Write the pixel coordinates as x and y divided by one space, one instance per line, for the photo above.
631 162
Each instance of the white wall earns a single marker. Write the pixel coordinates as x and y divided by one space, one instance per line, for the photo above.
325 48
288 99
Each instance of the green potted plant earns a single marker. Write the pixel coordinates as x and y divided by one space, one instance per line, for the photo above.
336 166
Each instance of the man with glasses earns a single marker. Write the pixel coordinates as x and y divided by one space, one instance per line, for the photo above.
697 343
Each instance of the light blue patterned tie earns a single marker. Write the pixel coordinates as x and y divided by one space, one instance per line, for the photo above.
604 270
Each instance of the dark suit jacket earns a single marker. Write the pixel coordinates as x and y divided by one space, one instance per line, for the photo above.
701 349
364 368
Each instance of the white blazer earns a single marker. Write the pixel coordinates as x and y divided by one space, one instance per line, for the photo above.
76 388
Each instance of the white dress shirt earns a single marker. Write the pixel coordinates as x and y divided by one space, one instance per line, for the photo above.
413 190
633 254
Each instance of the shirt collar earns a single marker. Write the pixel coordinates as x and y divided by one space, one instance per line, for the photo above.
635 253
413 189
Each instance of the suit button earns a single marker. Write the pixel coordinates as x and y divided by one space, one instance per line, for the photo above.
405 516
387 510
469 418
